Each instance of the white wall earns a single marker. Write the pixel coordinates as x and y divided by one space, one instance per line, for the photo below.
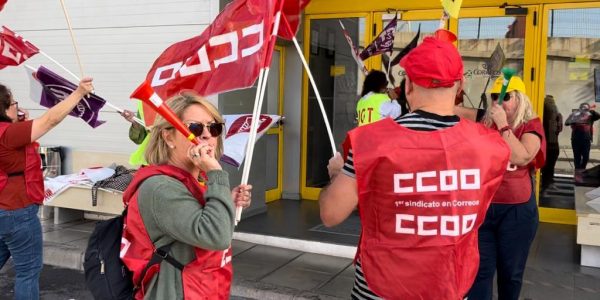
118 40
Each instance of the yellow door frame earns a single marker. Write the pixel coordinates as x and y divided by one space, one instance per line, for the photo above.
312 193
275 194
554 215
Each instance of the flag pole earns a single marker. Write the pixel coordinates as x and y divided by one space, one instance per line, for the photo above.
119 110
62 3
314 86
259 98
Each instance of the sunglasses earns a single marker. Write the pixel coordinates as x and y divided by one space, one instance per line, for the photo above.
215 129
496 95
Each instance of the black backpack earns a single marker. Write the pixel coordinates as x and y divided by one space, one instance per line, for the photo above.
105 274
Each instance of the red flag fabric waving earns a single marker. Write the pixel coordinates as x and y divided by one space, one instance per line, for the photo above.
226 56
2 2
14 50
291 12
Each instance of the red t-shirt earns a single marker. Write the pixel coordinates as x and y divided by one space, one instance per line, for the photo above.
12 160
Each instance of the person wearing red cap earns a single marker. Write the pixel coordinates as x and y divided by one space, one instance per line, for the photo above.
512 219
422 184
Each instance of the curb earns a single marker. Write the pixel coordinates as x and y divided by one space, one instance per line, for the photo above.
63 256
265 291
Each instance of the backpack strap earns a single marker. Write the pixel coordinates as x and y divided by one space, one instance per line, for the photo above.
158 256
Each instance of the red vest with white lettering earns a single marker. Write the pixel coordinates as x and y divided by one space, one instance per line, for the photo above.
34 179
206 277
422 195
516 185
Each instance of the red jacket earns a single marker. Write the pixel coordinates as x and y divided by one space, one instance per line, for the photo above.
34 179
422 196
208 276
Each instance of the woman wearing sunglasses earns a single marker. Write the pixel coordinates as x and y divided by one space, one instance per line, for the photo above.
182 200
22 185
512 218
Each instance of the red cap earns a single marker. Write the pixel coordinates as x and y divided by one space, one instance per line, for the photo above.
434 63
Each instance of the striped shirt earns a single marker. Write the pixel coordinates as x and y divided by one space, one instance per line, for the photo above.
417 120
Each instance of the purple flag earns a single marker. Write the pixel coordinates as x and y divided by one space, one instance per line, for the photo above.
384 41
50 88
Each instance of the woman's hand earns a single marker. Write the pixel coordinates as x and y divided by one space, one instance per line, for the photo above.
241 195
498 115
128 115
85 87
203 157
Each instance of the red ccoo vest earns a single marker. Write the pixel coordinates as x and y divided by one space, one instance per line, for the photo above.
34 179
206 277
422 197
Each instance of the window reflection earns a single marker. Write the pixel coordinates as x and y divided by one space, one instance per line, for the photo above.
572 57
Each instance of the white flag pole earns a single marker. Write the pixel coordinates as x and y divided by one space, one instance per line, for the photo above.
62 3
119 110
258 101
314 86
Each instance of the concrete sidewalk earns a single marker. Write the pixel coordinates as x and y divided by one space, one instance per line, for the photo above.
260 272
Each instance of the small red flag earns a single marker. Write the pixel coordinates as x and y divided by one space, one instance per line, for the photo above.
291 12
2 2
14 50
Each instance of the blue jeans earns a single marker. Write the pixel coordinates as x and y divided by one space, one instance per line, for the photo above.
21 238
504 240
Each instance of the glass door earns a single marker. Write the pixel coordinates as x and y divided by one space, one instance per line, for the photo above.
480 32
339 82
571 64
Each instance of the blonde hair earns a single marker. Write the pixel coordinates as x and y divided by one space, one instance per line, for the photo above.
157 151
523 113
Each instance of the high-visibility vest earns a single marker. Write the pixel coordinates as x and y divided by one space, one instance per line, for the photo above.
137 158
368 107
422 196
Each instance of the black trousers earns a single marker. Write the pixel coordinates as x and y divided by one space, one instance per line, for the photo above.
581 151
504 241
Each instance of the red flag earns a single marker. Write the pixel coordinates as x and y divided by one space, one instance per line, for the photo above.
2 2
291 12
228 55
14 50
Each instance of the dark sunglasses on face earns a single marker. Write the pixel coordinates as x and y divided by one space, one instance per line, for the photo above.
215 129
496 95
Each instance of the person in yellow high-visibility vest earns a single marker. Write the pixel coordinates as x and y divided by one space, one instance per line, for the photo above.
137 134
375 103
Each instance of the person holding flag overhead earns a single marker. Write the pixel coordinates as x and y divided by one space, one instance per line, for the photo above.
168 206
22 185
375 103
422 183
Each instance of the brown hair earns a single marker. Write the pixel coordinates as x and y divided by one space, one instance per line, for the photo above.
158 152
5 100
